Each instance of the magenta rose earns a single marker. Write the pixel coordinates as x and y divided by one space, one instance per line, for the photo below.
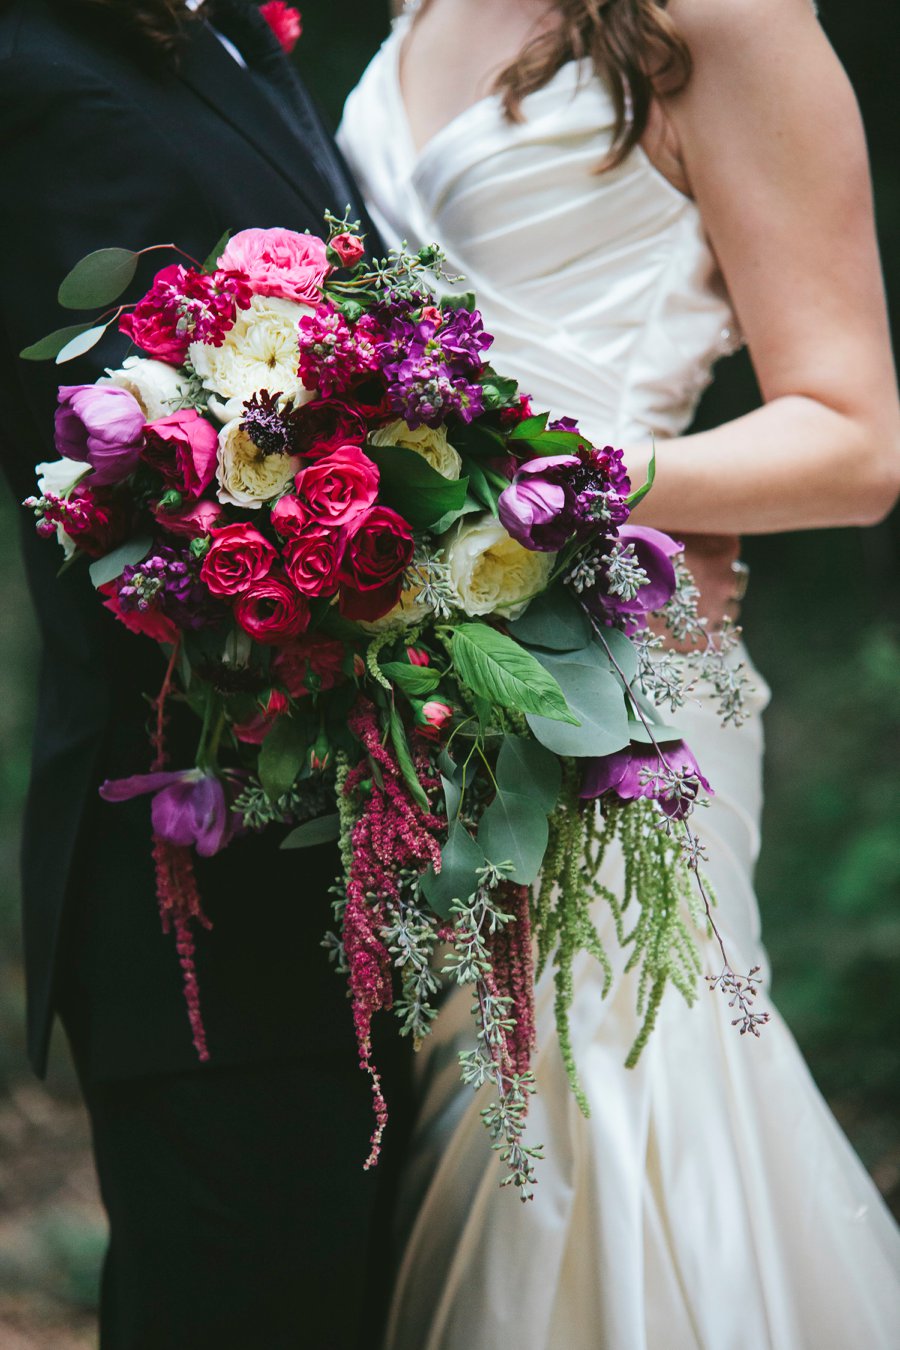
100 425
290 516
279 262
312 560
183 449
339 488
326 424
271 610
194 521
349 248
378 552
310 664
239 557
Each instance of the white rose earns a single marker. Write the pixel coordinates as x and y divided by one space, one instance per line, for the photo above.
157 387
429 442
247 477
259 352
490 571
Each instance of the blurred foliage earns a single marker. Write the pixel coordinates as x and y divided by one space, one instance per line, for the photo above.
823 623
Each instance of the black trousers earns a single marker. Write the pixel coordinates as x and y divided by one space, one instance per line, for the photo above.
240 1216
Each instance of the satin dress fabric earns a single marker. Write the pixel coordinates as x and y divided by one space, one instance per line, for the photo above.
709 1201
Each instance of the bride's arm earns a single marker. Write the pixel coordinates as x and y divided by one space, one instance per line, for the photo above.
773 147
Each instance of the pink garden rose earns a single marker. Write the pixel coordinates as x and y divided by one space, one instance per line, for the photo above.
271 610
312 559
183 449
279 262
194 521
340 487
239 557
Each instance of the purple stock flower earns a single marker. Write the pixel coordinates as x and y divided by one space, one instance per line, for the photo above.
168 581
432 370
540 508
102 426
637 771
189 807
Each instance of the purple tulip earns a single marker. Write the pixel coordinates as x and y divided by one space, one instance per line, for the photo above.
540 506
189 808
636 771
653 552
102 426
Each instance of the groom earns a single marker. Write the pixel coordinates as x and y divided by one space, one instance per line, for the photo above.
239 1213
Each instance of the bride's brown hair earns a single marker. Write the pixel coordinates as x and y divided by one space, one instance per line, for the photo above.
632 45
160 22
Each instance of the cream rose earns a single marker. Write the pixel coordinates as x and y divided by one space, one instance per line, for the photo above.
490 571
247 477
260 352
157 387
429 442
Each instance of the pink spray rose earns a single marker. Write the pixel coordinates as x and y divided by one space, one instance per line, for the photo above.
290 516
279 262
349 248
312 559
183 449
285 22
339 488
239 557
271 610
256 729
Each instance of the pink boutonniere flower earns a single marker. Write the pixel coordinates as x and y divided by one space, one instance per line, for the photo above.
285 22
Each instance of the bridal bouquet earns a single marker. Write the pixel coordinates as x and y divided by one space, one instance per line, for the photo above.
410 615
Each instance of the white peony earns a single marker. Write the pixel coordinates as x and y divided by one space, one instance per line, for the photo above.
490 571
247 477
429 442
157 387
260 352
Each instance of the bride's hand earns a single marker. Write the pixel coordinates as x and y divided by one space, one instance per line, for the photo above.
710 558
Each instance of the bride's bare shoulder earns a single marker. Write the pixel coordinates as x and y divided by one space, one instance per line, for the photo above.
712 20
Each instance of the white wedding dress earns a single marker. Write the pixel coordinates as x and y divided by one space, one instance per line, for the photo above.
710 1202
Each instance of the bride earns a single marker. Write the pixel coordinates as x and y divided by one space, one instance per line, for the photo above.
628 187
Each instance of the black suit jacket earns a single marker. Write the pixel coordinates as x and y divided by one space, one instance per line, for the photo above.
102 142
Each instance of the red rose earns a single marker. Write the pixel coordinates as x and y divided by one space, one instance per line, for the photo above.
194 521
183 449
312 560
271 610
378 552
290 516
238 558
285 22
326 424
341 487
349 248
311 663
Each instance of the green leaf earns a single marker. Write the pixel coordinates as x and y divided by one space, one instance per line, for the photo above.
322 830
622 650
514 829
411 486
529 769
467 509
405 760
640 493
499 392
84 342
51 345
663 735
555 620
595 697
113 565
418 681
461 857
500 670
212 262
480 487
529 427
452 796
282 756
98 279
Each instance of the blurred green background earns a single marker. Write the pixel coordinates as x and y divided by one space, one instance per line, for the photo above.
823 623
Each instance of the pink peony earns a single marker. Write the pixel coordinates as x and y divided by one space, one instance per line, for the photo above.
285 22
239 557
183 449
279 262
340 487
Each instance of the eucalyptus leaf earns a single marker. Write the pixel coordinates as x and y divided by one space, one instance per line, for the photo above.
98 279
498 669
596 698
419 681
662 734
322 830
51 345
282 756
405 760
622 650
461 857
84 342
113 564
555 620
524 766
514 830
411 486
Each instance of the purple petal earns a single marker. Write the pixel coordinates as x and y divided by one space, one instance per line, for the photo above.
123 789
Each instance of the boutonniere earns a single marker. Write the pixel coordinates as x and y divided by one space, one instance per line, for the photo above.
285 22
